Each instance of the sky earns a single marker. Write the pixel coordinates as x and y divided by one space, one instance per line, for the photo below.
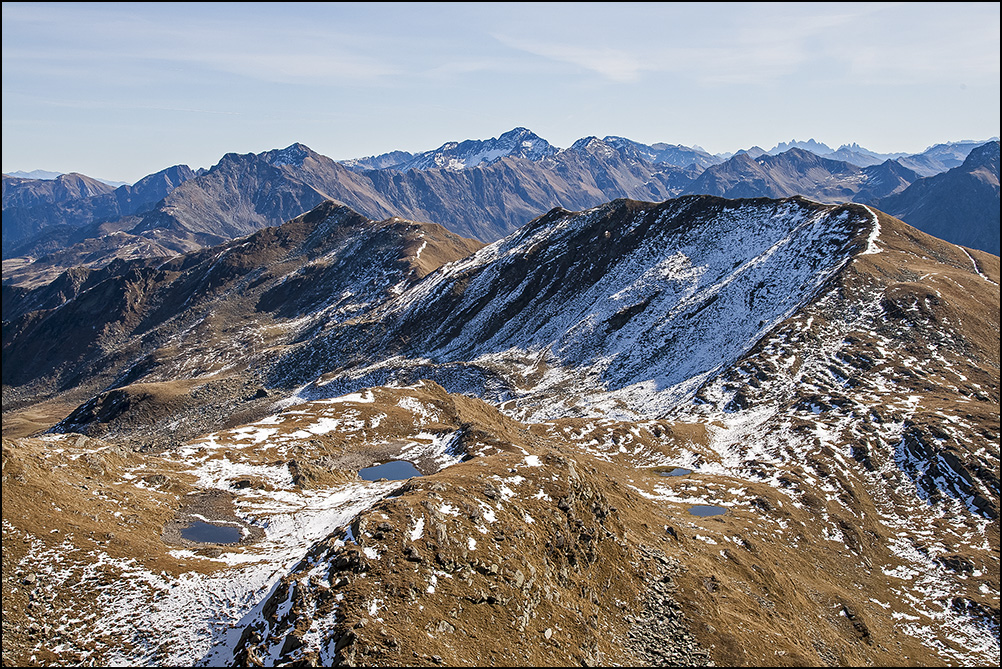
118 91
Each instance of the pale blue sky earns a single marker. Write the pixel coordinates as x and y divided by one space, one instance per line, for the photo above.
119 91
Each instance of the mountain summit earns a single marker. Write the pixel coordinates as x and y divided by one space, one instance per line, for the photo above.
516 143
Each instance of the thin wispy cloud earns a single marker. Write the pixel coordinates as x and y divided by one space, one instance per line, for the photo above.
461 66
274 53
765 45
121 105
705 65
612 64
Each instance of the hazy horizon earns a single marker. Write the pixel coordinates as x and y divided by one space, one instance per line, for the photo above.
51 174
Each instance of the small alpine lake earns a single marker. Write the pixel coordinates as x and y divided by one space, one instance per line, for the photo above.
703 510
395 470
208 533
672 471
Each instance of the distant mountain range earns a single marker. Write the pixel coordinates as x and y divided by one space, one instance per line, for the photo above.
481 189
67 207
48 175
800 172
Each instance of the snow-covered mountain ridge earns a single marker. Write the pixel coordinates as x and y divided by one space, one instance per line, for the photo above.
646 301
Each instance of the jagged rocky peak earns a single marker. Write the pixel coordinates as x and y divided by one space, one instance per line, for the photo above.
855 149
595 147
293 155
525 143
672 154
820 148
798 155
170 177
753 152
645 151
381 161
516 143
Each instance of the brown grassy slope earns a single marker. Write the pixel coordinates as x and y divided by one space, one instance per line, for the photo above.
608 570
582 554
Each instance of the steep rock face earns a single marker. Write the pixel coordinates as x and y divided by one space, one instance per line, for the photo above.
741 176
482 189
31 204
26 193
243 193
239 195
884 179
644 300
490 201
380 162
485 201
673 154
960 206
20 301
516 143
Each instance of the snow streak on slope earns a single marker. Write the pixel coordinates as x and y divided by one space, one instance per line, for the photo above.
140 615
